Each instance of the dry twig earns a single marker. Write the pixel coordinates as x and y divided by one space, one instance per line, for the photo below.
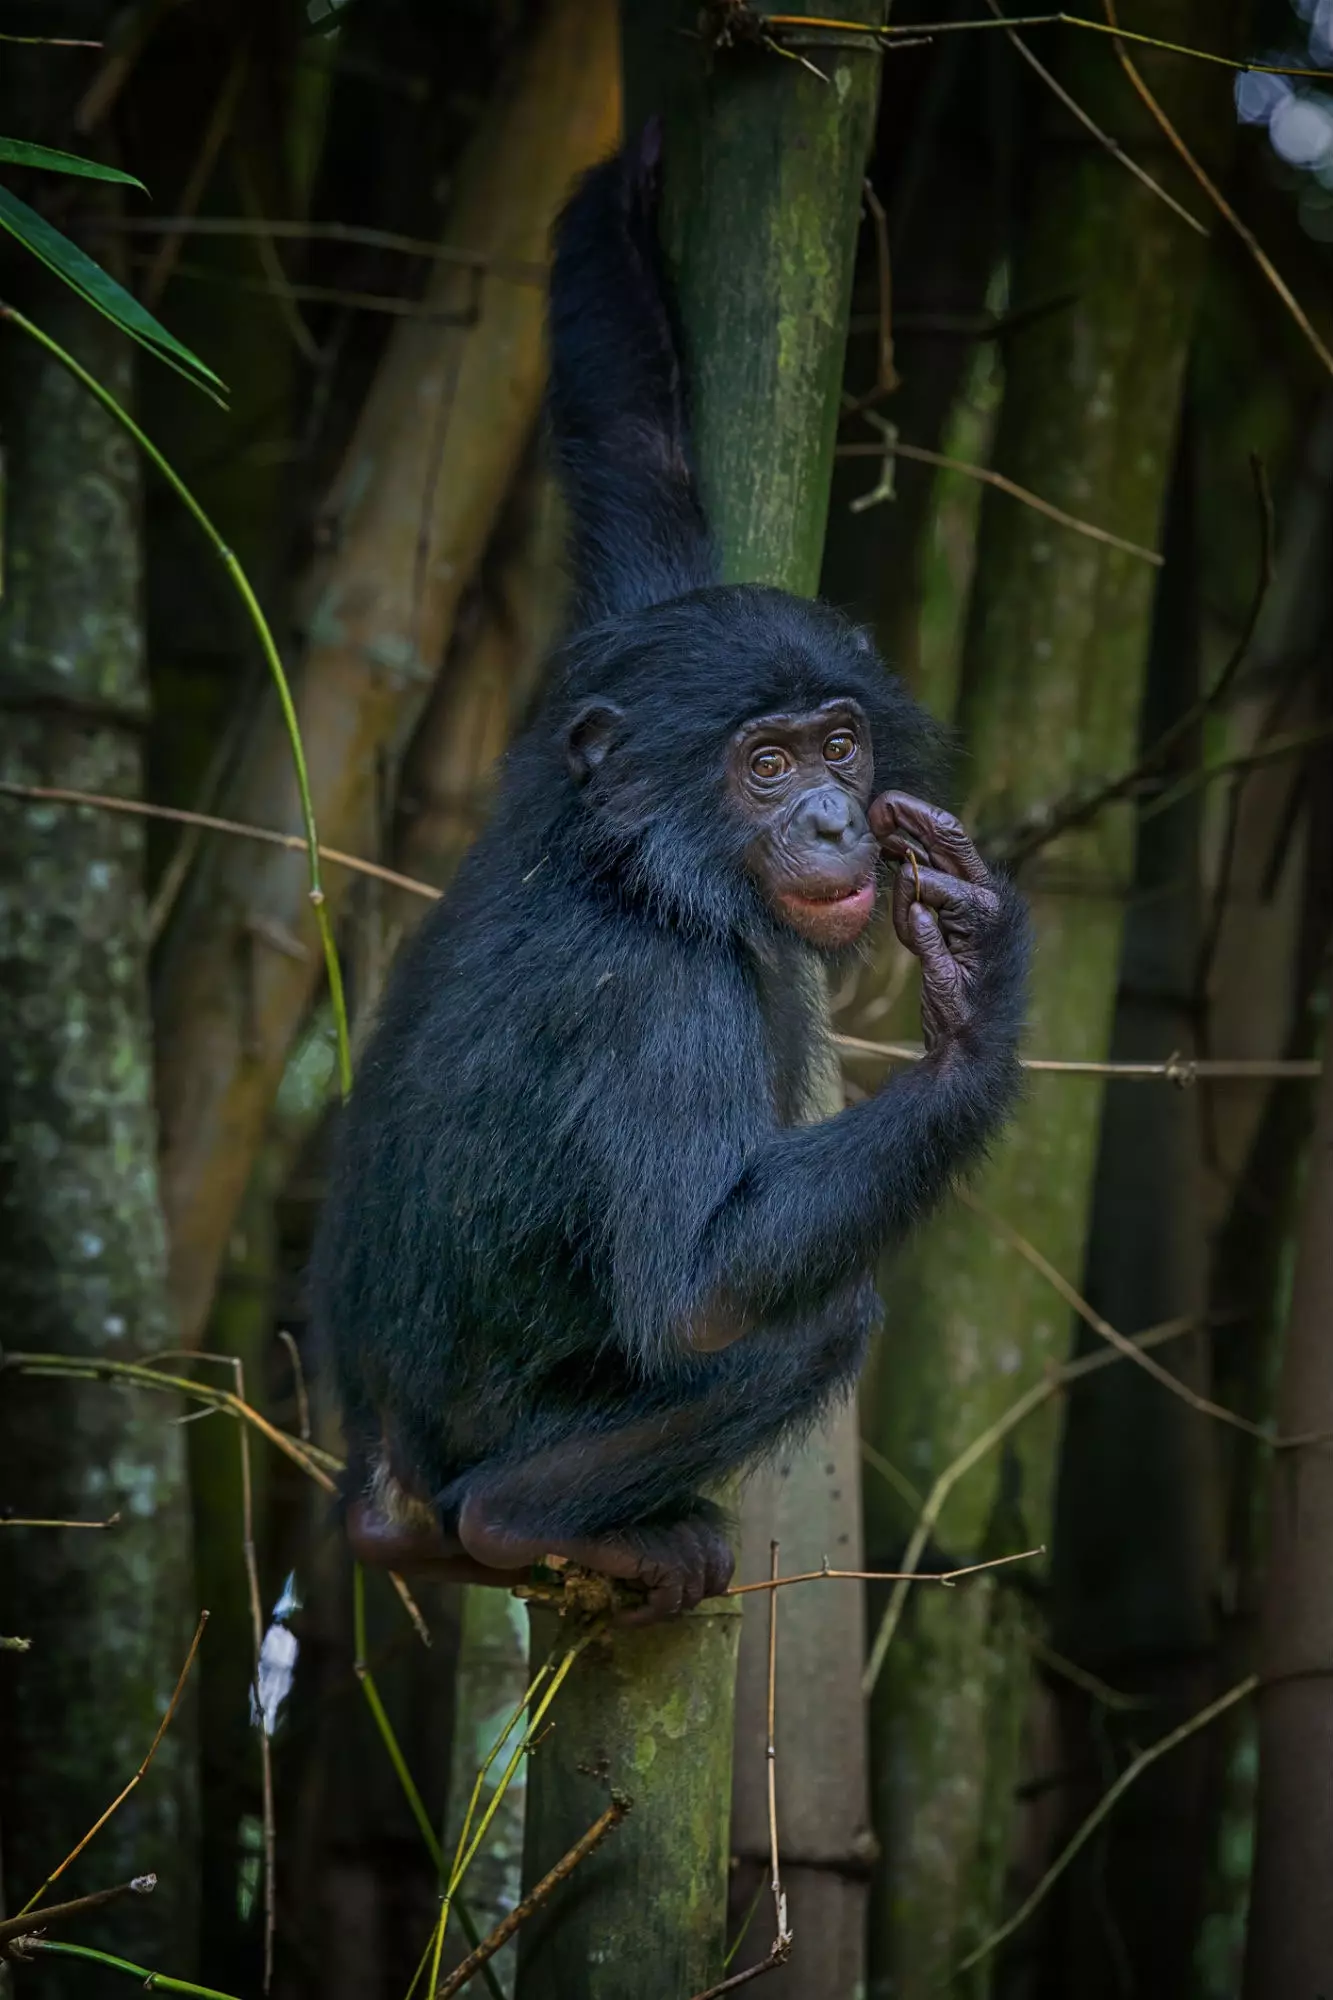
1180 1070
63 1913
1209 186
1129 1776
780 1950
210 823
891 446
1054 1384
25 1521
582 1848
946 1577
121 1797
1111 144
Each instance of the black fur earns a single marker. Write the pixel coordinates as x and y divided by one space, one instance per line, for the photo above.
572 1126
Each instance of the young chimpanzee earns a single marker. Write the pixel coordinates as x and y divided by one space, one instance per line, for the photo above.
579 1259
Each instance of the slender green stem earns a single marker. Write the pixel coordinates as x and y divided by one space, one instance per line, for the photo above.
388 1737
245 592
153 1982
385 1727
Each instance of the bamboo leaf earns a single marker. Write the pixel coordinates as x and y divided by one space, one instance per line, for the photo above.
100 289
23 153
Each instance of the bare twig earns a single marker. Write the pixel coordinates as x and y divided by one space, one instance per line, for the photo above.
808 31
1180 1070
139 808
298 1382
121 1797
780 1950
314 1461
1075 109
201 171
63 1913
998 480
1209 186
318 1464
1129 1776
1054 1384
25 1521
513 270
565 1866
1103 1327
251 1563
946 1577
1270 752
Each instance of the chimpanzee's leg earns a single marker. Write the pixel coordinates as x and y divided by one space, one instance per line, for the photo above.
507 1515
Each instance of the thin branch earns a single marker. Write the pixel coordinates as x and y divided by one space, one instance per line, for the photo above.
1105 1805
582 1848
1270 752
1090 125
317 1463
251 1563
1102 1327
27 1521
946 1577
780 1950
200 172
808 30
1077 810
1209 186
1054 1384
210 823
781 1930
314 1461
1180 1070
514 270
245 591
288 1340
1002 485
152 1982
275 285
121 1797
64 1913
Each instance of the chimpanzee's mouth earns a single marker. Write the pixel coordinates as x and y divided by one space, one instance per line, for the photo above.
834 917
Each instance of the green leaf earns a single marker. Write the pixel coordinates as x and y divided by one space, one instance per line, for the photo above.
22 153
100 289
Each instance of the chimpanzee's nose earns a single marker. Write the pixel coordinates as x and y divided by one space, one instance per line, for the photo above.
826 814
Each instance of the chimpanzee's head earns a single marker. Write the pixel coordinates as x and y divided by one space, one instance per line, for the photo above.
724 748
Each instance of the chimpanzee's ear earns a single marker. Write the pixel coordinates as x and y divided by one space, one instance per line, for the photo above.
591 737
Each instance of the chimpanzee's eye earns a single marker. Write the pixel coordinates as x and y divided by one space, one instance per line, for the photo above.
840 747
769 763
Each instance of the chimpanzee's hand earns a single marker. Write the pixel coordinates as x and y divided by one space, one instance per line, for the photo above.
946 908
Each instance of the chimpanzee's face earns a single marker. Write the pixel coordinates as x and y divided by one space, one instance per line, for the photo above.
803 783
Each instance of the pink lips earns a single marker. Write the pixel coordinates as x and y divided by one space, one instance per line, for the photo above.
841 918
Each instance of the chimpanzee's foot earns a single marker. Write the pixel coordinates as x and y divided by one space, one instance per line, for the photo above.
414 1545
676 1564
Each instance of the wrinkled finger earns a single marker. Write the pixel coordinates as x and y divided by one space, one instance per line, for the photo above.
914 921
948 845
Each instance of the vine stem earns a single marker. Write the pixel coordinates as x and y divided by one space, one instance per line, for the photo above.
153 1982
245 591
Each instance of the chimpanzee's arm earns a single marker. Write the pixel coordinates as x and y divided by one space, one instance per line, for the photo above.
810 1207
617 403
